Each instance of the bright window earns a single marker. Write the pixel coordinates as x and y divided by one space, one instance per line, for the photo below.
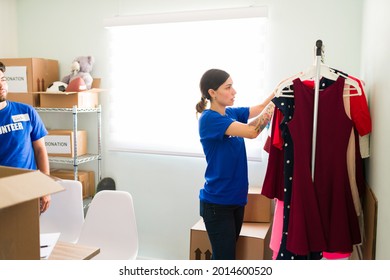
156 70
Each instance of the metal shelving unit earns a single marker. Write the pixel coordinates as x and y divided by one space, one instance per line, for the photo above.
77 160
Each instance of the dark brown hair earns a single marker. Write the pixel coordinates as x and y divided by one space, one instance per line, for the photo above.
2 67
211 79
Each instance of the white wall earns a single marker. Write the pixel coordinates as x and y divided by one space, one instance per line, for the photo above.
375 71
165 188
8 29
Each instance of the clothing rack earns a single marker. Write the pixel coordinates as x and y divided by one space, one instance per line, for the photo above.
315 72
298 196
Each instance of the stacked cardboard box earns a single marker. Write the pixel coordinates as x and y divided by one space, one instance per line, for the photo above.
258 208
60 143
86 177
27 76
253 243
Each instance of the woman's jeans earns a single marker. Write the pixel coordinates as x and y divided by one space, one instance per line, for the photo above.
223 225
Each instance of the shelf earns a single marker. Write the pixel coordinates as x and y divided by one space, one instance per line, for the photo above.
70 160
75 161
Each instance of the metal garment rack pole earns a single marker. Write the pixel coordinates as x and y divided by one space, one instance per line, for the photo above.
99 124
316 97
75 156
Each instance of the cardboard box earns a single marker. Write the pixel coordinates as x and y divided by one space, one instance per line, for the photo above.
258 208
91 189
87 179
60 143
370 210
82 99
20 190
26 76
253 243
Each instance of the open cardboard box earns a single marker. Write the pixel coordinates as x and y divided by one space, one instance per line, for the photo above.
253 243
20 190
82 99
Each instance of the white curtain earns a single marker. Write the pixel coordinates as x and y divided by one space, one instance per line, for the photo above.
156 70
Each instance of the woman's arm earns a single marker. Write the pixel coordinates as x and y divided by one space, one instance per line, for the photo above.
264 118
263 113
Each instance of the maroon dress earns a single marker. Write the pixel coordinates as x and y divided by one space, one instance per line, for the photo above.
322 214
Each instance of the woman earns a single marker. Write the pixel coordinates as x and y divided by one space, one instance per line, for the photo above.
222 130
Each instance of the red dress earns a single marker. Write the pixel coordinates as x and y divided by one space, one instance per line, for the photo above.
322 214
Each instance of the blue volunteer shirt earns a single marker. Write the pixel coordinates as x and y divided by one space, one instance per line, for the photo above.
20 126
226 175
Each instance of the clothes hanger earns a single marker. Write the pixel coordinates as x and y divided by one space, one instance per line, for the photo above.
309 74
351 83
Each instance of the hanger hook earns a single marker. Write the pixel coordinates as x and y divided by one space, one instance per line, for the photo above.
320 50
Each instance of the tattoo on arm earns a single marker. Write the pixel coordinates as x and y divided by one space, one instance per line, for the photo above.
264 118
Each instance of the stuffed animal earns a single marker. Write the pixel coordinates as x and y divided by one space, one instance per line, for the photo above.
81 67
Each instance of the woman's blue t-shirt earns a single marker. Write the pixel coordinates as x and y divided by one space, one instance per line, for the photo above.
226 175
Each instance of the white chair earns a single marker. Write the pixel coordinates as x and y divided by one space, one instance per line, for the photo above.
110 225
66 212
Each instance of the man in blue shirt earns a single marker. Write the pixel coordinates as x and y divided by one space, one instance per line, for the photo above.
22 134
